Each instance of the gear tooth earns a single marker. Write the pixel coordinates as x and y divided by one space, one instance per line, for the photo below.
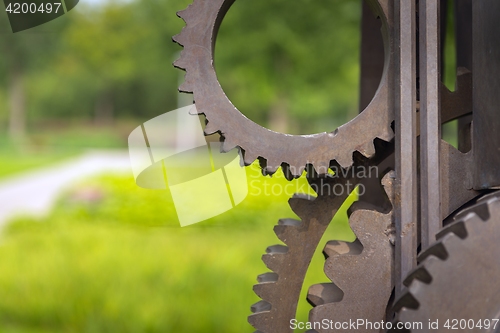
388 184
458 228
186 87
301 203
360 206
322 293
290 222
481 210
387 135
302 196
273 262
337 248
415 287
285 227
297 172
274 257
183 14
179 39
227 145
187 13
276 249
368 149
181 63
267 277
345 161
407 300
420 273
248 157
271 167
264 290
259 320
321 168
260 306
210 128
487 197
437 250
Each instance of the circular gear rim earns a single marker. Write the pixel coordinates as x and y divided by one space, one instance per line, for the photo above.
274 149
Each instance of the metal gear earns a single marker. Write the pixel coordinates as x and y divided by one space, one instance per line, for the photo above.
280 289
456 278
292 152
355 268
274 149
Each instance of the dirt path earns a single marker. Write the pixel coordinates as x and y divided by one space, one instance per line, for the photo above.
35 192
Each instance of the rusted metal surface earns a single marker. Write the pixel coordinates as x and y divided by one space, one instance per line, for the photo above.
406 146
410 97
457 276
274 149
486 93
280 289
430 122
355 268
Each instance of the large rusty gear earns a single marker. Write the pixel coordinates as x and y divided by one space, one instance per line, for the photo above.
292 152
463 266
274 149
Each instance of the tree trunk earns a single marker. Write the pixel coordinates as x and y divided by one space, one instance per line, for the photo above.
278 116
17 105
104 109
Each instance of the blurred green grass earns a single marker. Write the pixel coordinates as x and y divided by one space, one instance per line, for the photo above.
111 258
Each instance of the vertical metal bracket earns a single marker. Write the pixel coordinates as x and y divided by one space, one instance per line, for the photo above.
430 122
406 147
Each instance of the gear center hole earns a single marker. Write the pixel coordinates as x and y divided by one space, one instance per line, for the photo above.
294 67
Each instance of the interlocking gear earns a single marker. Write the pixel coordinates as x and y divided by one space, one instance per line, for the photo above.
280 289
447 286
355 268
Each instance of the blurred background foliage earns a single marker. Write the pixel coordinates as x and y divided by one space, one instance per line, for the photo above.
292 67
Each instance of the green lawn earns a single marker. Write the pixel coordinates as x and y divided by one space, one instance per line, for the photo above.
14 161
116 261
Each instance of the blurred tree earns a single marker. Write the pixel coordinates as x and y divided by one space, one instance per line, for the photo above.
295 60
22 53
107 42
293 64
